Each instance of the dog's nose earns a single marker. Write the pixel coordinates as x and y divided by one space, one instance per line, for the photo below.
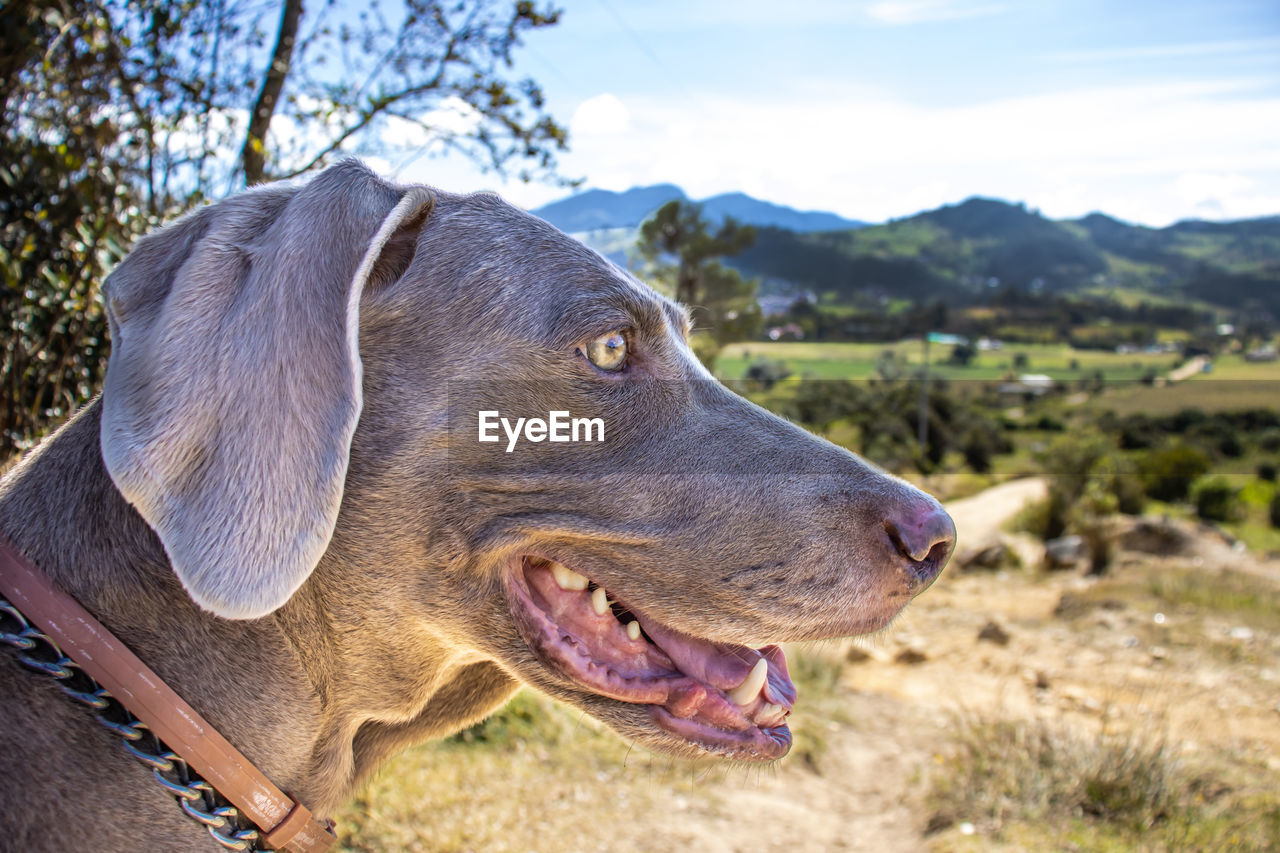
925 537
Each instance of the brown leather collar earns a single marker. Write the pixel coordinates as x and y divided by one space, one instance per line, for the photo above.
286 823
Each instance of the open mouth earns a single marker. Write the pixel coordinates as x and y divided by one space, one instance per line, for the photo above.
724 699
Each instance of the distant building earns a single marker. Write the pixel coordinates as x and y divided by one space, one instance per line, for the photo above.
1028 385
1261 354
777 333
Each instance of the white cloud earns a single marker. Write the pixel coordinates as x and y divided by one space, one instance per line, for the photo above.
1215 195
602 115
1123 150
901 12
1237 48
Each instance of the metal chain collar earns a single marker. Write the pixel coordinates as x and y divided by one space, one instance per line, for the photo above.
196 797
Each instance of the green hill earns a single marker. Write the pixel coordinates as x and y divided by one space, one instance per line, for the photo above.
959 251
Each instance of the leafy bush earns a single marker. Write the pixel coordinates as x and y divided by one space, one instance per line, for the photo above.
763 373
1169 472
1048 423
977 452
1274 510
1269 441
1267 471
1216 499
962 355
1120 477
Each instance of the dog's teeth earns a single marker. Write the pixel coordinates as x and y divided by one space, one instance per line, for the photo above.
567 578
633 630
747 691
600 601
770 714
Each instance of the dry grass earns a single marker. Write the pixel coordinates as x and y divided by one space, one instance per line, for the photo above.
1245 597
538 775
1040 785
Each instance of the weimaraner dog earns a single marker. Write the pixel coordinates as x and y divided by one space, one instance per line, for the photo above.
306 499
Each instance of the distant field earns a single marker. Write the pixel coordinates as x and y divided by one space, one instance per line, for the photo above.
1232 384
858 360
1234 367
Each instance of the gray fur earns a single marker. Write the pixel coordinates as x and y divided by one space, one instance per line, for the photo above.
226 426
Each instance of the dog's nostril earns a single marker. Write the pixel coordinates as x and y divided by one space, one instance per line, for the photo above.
926 540
924 536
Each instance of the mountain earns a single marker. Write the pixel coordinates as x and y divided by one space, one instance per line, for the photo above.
596 209
957 251
752 211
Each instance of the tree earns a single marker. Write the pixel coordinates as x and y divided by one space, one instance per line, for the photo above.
962 355
429 71
678 232
68 208
117 114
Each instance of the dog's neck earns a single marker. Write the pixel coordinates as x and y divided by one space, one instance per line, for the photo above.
61 509
315 697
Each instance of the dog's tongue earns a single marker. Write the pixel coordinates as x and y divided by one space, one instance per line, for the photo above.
722 665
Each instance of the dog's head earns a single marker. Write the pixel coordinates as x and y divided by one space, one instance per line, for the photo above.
303 385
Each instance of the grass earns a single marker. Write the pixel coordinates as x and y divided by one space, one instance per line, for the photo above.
1204 600
538 775
534 770
1233 384
1039 785
1244 597
859 360
1233 367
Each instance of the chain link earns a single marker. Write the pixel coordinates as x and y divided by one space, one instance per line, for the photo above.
194 795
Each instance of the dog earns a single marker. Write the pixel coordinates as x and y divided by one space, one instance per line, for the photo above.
283 503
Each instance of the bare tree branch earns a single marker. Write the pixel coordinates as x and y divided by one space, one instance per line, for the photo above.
253 157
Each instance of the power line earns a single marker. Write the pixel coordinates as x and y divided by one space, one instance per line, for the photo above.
644 48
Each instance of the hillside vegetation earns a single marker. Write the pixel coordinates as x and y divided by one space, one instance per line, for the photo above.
961 251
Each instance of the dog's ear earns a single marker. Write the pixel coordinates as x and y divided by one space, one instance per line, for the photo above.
234 383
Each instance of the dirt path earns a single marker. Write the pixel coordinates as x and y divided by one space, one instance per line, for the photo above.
978 518
1191 368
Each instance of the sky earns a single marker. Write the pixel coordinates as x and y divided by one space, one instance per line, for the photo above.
1150 110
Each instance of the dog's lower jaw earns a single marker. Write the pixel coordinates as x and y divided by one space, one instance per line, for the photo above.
684 695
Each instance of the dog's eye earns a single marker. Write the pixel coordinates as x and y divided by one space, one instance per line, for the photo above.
608 352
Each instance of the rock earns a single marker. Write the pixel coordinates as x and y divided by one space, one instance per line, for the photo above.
1242 632
1155 536
938 821
993 633
987 557
1064 552
857 655
1071 605
910 657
